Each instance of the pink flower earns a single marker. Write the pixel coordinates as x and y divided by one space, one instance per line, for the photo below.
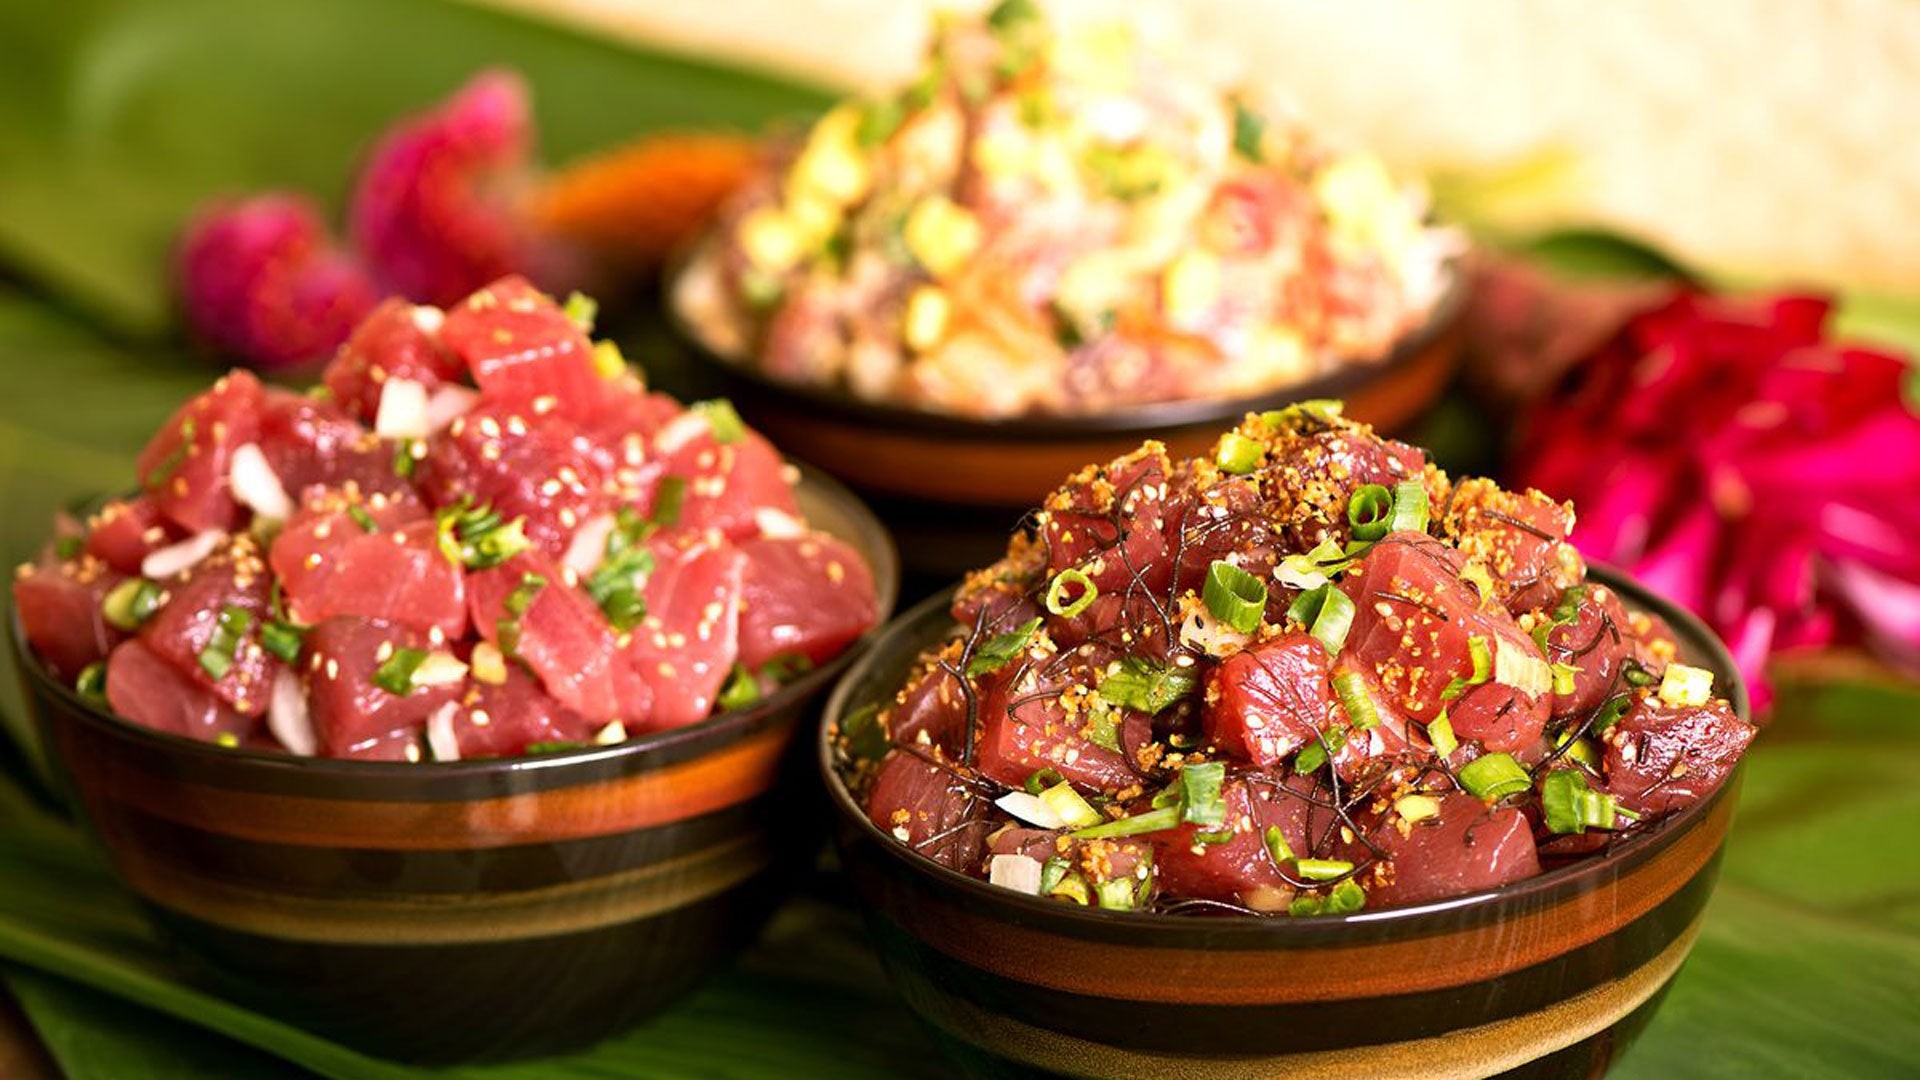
1735 459
434 213
260 279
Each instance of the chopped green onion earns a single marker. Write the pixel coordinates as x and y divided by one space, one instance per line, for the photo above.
1277 846
1117 894
1440 734
131 603
1570 806
1103 727
1346 898
994 653
1248 130
1051 872
1145 686
1316 753
667 501
722 420
69 547
1480 652
555 746
1327 613
1316 567
282 639
1307 904
1325 410
740 691
395 673
1635 674
1165 817
1235 597
92 681
1219 836
1009 14
521 598
1322 869
1200 800
581 310
474 536
616 584
1069 807
1077 582
363 519
1610 712
785 667
1409 506
1238 454
403 459
1564 612
1494 776
231 625
1582 752
1351 689
1042 779
863 735
1683 685
1563 676
1370 511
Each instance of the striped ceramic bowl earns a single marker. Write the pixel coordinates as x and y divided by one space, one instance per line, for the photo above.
466 910
1547 977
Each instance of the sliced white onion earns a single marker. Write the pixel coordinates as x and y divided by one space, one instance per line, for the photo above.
1514 666
680 431
439 669
1030 809
1020 873
288 718
450 403
589 545
257 485
428 318
440 737
778 524
183 556
615 732
403 410
1294 577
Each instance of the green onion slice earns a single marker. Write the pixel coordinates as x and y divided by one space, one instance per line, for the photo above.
91 683
740 691
395 673
1322 869
1409 506
1346 898
1042 779
1571 806
231 625
863 735
1200 799
1327 613
282 639
1480 652
1082 588
1316 753
1564 612
1351 689
1494 776
1248 130
1563 676
1234 596
1117 894
993 654
667 501
1277 846
363 519
131 603
474 536
722 420
1370 511
1238 454
581 310
1440 734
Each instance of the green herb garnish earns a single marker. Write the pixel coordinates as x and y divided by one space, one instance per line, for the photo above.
993 654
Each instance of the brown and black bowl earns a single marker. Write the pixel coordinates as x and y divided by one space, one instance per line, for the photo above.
464 910
1548 977
952 486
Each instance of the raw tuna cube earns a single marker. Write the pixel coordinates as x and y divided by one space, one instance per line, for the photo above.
1661 758
504 720
330 565
185 465
1115 514
620 442
1520 538
808 596
522 465
1595 643
396 341
930 705
562 636
1265 702
725 486
521 347
124 532
1226 518
1024 727
352 715
690 638
311 442
146 689
184 631
1312 472
930 810
1240 869
1465 847
59 606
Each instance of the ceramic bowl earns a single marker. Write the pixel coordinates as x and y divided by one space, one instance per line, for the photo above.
466 910
1549 977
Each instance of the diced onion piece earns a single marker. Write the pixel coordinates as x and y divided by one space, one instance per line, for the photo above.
439 669
1030 809
778 524
680 431
257 486
1069 807
440 737
428 318
403 411
615 732
288 717
489 664
589 545
183 556
1020 873
449 403
1683 685
1514 666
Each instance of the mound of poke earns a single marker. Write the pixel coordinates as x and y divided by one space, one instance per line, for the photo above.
1309 673
480 536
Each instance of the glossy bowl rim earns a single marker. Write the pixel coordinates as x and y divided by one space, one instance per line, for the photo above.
837 403
1408 917
715 729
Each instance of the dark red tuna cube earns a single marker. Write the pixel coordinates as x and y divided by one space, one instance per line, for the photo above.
930 711
353 715
397 340
59 607
1465 847
146 689
505 719
1595 643
1267 701
1661 758
1313 471
309 442
1241 868
1521 538
522 348
1111 523
728 486
184 467
330 564
561 635
690 638
125 531
523 465
931 810
189 629
1025 726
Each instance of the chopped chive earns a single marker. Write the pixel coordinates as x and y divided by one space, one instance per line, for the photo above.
1480 653
282 639
1370 511
1563 678
740 691
1322 869
994 653
91 683
1492 777
363 519
1635 674
1145 686
395 674
1200 799
1569 805
69 547
1346 898
1277 845
722 420
474 536
1440 734
232 624
1117 894
1351 689
1080 585
1306 904
667 501
1234 596
131 603
1327 613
